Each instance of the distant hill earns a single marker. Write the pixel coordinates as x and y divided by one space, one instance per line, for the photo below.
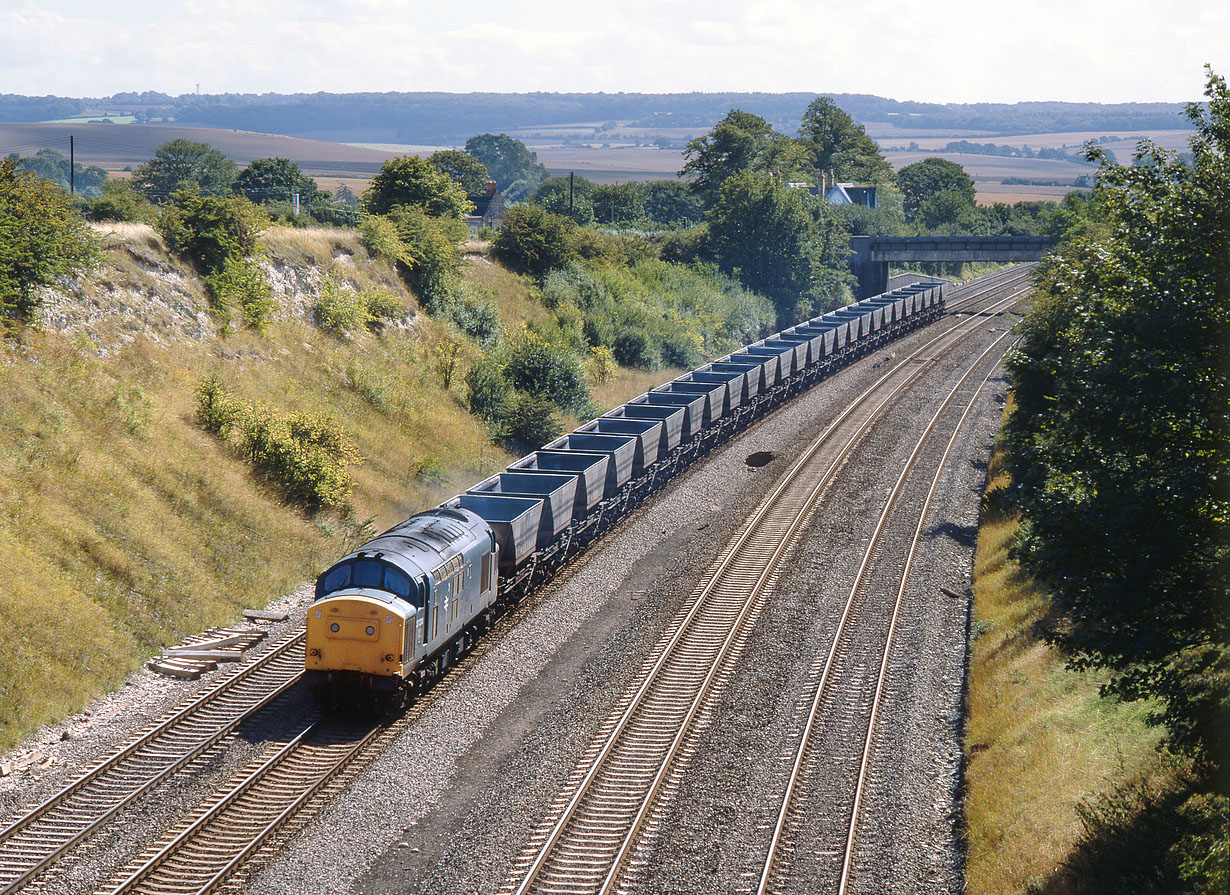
452 117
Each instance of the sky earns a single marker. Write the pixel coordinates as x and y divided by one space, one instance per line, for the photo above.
933 51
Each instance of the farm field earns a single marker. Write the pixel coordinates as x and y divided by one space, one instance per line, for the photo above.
117 147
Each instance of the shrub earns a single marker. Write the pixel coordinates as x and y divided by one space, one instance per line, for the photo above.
306 455
211 230
337 309
473 315
533 365
41 237
532 240
487 389
119 202
634 348
242 284
432 255
340 310
601 365
527 423
379 236
216 411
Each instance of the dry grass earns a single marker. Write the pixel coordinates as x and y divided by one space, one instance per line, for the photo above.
1040 739
124 526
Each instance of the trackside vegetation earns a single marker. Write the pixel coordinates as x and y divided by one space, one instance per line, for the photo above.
1118 460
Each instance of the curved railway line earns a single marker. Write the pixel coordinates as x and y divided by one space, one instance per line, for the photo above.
202 852
592 837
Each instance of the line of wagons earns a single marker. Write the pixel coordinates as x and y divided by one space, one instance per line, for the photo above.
391 616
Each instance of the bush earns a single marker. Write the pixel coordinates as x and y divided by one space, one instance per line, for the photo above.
533 241
379 236
306 455
41 237
487 390
601 364
340 310
475 316
527 423
216 411
535 366
242 284
211 230
119 202
431 256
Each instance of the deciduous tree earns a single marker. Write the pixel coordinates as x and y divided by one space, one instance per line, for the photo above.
465 170
184 163
832 141
510 163
413 181
923 180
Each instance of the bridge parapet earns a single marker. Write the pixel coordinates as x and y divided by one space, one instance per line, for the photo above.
872 254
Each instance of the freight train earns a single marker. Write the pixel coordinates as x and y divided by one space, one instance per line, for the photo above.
394 614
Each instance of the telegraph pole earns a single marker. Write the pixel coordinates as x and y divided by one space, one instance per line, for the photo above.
571 174
72 166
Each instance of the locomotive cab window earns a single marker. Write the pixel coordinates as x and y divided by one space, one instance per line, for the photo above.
368 573
336 579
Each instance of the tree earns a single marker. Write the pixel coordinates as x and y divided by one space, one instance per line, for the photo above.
41 238
465 170
786 244
833 142
618 202
183 163
268 180
533 240
923 180
509 162
739 142
54 166
410 180
672 202
1120 440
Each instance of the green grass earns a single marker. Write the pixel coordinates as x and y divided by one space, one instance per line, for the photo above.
1041 743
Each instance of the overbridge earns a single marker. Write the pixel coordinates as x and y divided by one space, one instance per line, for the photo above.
873 254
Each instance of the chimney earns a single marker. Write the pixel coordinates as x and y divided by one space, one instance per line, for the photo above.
491 187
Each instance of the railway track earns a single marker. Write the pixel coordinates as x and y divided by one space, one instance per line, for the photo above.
244 818
596 828
850 655
47 833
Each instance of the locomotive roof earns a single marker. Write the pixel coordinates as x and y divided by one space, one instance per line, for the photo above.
426 540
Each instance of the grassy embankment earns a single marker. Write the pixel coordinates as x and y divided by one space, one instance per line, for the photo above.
124 526
1044 750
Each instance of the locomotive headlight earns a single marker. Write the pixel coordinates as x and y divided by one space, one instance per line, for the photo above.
335 627
370 630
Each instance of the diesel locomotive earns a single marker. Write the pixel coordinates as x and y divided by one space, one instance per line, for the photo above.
394 614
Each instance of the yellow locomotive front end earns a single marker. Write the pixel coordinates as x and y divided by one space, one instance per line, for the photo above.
356 633
356 650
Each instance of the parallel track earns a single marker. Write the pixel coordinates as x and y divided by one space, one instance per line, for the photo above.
587 846
41 836
849 654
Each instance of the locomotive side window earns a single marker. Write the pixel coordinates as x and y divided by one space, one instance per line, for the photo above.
336 579
396 581
368 574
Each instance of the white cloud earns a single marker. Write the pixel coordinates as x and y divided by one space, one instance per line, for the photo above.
943 50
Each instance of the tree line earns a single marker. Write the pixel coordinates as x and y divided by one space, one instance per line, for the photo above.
1119 447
